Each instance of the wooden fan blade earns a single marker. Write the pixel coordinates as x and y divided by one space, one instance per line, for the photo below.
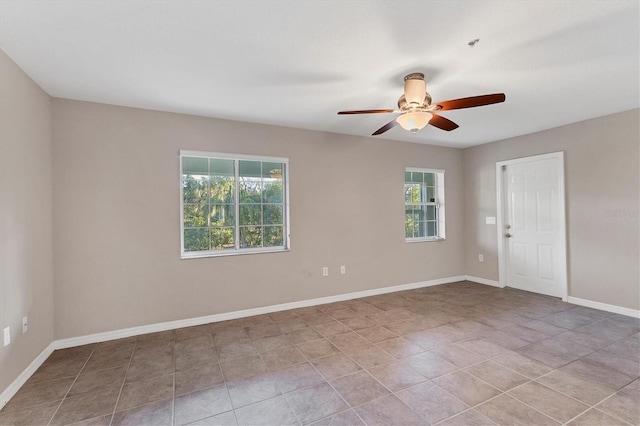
442 123
367 111
473 101
384 128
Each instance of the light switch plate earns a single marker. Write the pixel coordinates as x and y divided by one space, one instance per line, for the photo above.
490 220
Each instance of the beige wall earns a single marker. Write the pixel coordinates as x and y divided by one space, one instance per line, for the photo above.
601 173
26 274
116 216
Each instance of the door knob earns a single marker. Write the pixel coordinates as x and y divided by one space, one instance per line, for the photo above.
508 235
508 226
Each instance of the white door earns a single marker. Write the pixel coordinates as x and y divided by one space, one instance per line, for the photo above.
533 224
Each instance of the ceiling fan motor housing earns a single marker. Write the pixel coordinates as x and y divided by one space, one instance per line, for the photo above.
414 89
403 105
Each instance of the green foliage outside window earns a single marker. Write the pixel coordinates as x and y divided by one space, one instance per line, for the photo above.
209 204
420 204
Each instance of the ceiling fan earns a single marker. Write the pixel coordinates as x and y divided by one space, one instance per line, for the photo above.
417 110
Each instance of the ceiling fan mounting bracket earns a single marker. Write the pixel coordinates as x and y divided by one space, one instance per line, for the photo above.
414 76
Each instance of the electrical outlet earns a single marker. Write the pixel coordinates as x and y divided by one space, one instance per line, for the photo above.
343 269
7 335
325 271
25 324
480 258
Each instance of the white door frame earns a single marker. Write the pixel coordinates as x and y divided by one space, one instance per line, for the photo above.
500 193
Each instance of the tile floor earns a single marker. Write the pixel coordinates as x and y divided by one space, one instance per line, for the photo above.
454 354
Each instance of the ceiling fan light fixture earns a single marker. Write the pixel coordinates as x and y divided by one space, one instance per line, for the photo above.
414 121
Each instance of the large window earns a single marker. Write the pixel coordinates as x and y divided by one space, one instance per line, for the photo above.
233 204
424 204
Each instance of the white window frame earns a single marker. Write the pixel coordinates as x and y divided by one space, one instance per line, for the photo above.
439 203
237 251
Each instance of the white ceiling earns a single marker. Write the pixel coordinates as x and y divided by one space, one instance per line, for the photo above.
296 63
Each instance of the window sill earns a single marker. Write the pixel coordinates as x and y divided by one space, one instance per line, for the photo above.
423 240
203 254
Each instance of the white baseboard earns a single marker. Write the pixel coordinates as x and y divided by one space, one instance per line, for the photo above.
604 307
483 281
170 325
15 386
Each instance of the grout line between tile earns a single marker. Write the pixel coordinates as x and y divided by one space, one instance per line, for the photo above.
73 383
603 400
555 390
124 380
382 384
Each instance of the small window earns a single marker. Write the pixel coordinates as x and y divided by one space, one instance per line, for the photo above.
424 205
233 204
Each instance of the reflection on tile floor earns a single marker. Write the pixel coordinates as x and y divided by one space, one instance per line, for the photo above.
453 354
